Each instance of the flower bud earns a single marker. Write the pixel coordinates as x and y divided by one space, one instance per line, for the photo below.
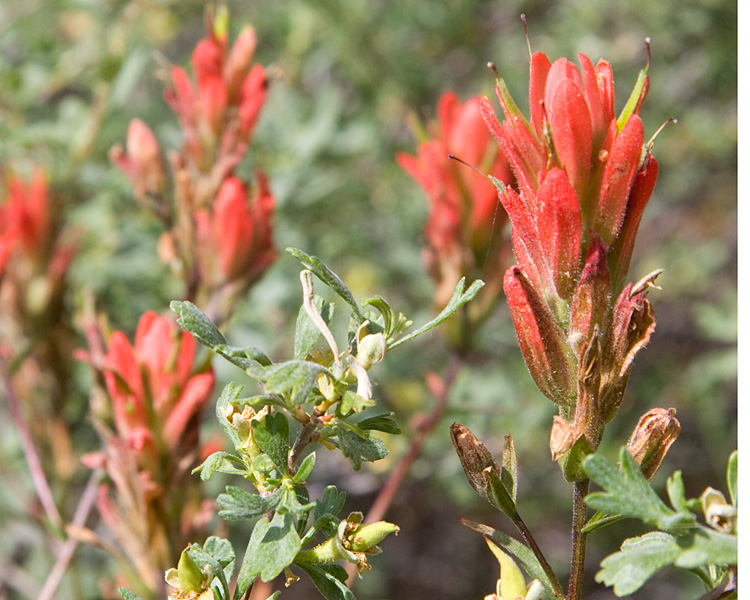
655 433
371 349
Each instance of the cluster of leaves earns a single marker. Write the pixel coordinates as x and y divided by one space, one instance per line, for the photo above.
680 540
318 396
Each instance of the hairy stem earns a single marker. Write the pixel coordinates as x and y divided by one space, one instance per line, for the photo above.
575 584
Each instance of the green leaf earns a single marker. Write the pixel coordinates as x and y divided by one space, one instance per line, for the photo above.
322 272
704 546
628 493
638 559
245 358
357 445
194 321
523 554
458 299
306 333
305 468
353 402
272 547
240 504
330 580
599 520
393 325
295 377
732 477
676 492
382 423
632 102
330 503
272 436
223 462
127 594
216 558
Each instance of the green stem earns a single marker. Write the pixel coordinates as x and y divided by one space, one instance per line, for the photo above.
575 583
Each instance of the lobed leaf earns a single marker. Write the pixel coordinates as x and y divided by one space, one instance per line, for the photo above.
240 504
358 445
223 462
298 378
459 298
272 436
272 547
195 321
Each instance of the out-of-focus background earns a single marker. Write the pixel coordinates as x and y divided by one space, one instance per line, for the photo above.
347 79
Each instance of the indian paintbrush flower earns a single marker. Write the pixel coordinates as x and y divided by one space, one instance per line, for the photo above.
584 176
465 227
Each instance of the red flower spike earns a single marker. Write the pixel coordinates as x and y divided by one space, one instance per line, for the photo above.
592 294
526 243
559 226
622 249
181 97
570 125
190 404
617 181
208 63
544 344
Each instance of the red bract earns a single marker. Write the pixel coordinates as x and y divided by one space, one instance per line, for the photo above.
154 393
226 100
236 235
464 229
584 178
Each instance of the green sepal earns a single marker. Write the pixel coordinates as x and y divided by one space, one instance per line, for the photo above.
632 102
571 461
459 298
322 272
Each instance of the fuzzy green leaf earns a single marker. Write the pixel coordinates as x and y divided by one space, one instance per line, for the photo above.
330 580
523 553
704 546
353 402
322 272
295 377
272 436
306 333
382 423
127 594
459 298
638 559
223 462
305 468
245 358
358 445
240 504
497 495
193 320
628 493
330 503
272 547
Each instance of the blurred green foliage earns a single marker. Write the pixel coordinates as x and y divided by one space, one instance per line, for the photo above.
348 76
